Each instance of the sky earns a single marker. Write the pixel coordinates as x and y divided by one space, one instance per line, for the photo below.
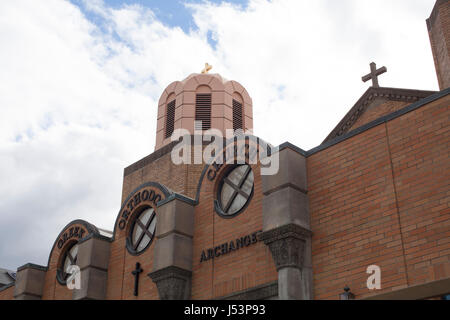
80 81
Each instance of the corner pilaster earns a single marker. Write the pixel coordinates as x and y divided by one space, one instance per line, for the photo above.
286 225
172 266
93 259
29 282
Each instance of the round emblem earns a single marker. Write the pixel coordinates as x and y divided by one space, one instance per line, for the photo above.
235 191
142 231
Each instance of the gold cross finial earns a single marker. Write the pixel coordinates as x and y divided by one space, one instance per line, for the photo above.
207 68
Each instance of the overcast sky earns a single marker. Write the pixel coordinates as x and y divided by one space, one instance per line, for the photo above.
80 81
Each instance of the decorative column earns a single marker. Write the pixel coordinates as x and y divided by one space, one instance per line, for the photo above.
172 262
93 259
29 282
286 224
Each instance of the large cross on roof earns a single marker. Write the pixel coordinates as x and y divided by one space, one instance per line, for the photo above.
374 73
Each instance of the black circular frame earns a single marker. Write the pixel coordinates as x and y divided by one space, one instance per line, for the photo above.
61 274
132 247
221 208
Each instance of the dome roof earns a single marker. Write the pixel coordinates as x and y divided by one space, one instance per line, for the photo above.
223 104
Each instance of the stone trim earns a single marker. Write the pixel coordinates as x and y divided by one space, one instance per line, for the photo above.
416 292
289 145
176 196
29 282
173 283
28 296
283 186
94 236
261 292
289 230
331 142
152 157
32 266
381 120
392 94
149 159
9 285
166 192
93 261
90 228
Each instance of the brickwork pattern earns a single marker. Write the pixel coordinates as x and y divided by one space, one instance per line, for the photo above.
239 270
375 111
7 294
382 197
439 33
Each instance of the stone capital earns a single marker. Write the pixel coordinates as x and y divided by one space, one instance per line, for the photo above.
173 283
287 245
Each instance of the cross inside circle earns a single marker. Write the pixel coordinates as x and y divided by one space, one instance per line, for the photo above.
143 230
236 189
71 259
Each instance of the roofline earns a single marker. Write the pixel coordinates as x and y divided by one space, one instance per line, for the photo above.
7 286
383 119
394 94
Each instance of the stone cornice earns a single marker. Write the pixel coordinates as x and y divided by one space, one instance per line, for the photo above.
289 230
391 94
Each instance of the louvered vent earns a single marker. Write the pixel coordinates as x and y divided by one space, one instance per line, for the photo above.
237 115
170 119
203 111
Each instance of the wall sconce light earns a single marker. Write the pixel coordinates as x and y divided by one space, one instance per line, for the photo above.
347 295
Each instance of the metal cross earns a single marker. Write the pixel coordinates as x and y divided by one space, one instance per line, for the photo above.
144 229
374 73
73 261
237 188
136 277
207 68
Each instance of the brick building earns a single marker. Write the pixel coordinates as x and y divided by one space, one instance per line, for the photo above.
374 193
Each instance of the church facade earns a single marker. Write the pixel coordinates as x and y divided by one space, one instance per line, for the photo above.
365 215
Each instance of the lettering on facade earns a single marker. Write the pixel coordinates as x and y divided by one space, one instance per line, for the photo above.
138 198
229 247
74 232
230 154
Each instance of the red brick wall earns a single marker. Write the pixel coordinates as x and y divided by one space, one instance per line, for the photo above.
375 111
419 144
52 288
120 283
381 198
7 294
239 270
439 34
233 272
182 179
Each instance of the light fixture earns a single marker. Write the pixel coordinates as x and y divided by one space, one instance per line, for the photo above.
347 295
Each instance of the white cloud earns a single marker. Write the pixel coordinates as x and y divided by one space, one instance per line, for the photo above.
317 51
78 101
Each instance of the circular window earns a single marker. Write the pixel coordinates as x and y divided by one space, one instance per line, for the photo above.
142 232
70 259
235 191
